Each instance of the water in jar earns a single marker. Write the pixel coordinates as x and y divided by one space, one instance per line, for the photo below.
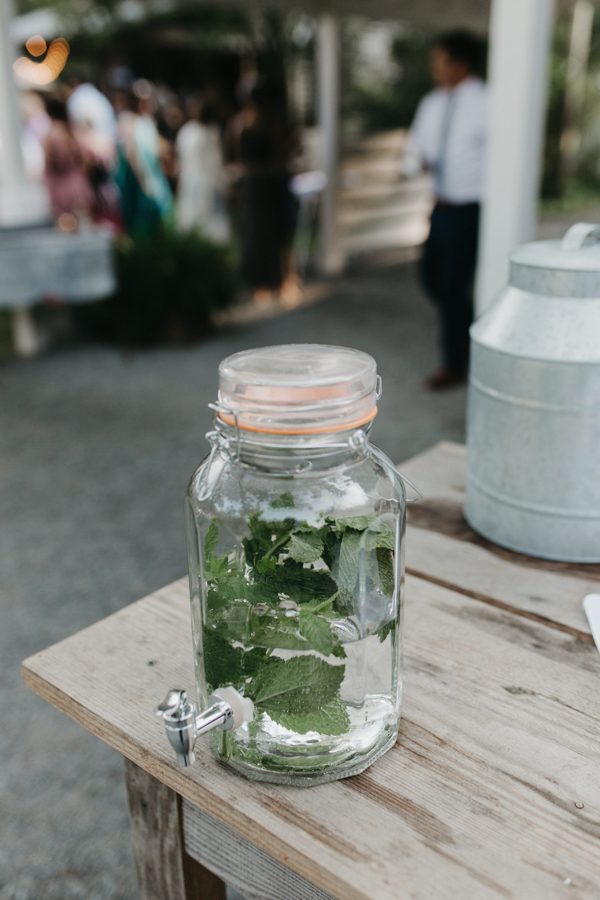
303 619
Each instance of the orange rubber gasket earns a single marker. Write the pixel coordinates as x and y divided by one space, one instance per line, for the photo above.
326 429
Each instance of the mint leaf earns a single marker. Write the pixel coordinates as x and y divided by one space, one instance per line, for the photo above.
379 535
225 664
282 633
291 579
385 570
236 620
346 572
265 537
321 606
368 552
318 633
226 586
331 546
358 523
214 566
387 629
305 547
332 718
222 662
266 565
345 602
252 660
298 685
211 539
284 501
218 567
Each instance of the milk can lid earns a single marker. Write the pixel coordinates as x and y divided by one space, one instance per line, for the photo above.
298 389
566 268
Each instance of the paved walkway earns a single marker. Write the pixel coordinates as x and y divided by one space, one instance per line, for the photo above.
96 451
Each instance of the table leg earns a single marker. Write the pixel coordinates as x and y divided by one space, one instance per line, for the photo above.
27 340
164 869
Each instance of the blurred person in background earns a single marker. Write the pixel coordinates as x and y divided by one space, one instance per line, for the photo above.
201 186
96 132
145 195
169 121
448 138
101 161
36 124
260 147
87 106
66 166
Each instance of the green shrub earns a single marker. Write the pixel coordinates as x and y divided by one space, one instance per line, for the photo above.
387 102
169 286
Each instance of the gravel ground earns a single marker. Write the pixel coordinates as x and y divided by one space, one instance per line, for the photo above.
95 452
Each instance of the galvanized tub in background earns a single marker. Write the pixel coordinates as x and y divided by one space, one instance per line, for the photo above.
533 427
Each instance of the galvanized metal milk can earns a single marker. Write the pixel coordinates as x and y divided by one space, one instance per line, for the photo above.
533 434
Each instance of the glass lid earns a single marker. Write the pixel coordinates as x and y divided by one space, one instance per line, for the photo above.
298 389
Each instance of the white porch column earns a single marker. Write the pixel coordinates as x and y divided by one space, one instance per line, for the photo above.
582 25
10 122
328 106
21 203
520 35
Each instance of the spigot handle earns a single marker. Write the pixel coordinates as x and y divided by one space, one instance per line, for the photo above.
175 701
179 717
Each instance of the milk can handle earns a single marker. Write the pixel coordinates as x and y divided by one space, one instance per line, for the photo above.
578 234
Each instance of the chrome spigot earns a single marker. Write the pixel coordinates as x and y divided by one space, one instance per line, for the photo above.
227 709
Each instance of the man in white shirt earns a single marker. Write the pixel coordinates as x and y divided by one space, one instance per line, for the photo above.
448 138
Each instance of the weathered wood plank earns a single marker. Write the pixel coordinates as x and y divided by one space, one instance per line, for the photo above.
441 547
249 870
492 790
164 869
439 473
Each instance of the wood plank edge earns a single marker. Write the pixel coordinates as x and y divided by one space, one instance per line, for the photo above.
584 636
174 778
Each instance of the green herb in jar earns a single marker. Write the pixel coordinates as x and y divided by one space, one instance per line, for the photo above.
270 618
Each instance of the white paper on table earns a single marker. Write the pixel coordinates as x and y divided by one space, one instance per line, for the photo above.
591 605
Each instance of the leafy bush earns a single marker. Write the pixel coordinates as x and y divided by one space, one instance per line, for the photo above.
387 102
169 286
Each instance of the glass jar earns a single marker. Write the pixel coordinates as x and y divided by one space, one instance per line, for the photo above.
296 534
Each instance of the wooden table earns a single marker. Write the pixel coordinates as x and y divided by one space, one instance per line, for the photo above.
492 790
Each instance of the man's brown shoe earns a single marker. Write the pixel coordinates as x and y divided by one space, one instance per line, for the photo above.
444 378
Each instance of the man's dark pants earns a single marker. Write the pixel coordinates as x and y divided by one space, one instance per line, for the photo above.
447 271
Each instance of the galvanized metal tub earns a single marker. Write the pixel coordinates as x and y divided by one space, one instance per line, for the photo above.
533 420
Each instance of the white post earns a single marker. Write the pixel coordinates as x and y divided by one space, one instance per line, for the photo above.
12 171
328 104
21 203
575 83
520 35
